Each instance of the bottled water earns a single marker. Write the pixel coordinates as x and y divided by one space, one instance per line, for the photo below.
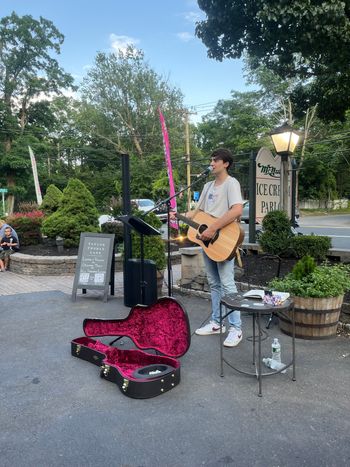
276 350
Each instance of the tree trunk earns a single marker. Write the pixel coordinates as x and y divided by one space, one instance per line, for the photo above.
10 198
10 180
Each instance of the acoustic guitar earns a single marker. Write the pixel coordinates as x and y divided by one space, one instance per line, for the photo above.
225 243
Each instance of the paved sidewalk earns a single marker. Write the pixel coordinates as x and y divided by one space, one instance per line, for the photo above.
56 411
12 283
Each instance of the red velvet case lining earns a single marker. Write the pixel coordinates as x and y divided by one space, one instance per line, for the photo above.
162 326
126 361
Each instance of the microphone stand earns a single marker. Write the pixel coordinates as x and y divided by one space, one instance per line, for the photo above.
167 202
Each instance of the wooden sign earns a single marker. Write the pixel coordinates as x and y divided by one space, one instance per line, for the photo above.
268 183
93 268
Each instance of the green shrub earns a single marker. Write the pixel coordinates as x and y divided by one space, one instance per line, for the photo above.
324 281
154 247
77 213
277 235
116 228
52 200
303 268
313 245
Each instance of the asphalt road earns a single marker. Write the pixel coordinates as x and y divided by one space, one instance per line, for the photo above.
336 226
56 411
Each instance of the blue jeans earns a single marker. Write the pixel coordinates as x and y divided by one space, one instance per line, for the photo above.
221 282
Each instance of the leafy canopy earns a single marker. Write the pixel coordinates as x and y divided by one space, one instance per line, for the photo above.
304 38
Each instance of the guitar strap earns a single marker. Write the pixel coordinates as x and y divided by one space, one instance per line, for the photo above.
238 254
204 198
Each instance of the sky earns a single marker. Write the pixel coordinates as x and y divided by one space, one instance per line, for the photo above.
163 29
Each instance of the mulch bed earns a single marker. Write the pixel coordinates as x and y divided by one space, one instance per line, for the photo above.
260 269
47 250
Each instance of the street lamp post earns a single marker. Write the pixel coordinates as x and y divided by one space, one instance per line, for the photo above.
285 140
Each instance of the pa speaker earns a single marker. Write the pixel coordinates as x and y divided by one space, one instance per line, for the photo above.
132 282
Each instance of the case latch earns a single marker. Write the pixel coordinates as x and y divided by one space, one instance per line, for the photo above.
125 384
105 369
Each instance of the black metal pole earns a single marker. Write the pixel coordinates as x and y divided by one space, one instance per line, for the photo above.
111 281
142 270
294 192
252 197
126 211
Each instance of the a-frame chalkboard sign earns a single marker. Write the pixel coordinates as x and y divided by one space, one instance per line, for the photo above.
93 268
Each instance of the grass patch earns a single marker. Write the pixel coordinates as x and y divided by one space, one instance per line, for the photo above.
324 212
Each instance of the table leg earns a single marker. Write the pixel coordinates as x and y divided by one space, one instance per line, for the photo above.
254 362
293 341
221 345
259 353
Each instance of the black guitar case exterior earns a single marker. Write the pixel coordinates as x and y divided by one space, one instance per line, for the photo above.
162 327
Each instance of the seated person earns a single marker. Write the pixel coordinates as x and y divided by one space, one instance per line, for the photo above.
9 245
3 226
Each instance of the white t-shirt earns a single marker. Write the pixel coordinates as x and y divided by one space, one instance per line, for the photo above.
217 200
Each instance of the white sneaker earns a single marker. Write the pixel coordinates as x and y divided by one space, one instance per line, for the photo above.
211 328
233 338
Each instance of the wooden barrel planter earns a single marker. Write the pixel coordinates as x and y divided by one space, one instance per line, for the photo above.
315 318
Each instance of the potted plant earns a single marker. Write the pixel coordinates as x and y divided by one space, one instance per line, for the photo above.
317 292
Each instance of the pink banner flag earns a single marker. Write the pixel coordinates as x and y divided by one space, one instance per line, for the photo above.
166 143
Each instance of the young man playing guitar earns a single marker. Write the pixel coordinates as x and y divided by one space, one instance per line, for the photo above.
222 199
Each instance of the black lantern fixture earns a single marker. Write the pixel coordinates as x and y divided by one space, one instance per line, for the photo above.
285 140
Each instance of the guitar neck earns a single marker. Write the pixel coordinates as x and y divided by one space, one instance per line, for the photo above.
187 221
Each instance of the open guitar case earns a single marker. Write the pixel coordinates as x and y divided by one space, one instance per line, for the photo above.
161 328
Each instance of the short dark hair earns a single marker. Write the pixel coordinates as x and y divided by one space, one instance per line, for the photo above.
223 154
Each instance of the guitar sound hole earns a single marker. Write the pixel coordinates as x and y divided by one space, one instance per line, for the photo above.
201 229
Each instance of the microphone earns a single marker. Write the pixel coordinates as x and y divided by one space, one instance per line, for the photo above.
205 172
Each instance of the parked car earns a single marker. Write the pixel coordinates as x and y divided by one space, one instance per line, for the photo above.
245 213
146 205
105 218
143 205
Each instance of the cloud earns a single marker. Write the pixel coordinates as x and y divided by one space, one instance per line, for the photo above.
120 43
193 16
185 36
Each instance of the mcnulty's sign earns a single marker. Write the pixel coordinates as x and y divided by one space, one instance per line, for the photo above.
268 183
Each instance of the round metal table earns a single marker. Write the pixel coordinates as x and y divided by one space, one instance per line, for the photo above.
256 308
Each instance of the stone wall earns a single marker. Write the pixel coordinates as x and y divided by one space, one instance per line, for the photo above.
48 265
193 273
324 204
32 265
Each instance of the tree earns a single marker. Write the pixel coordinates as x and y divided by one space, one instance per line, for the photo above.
126 93
27 69
305 39
77 213
236 123
52 200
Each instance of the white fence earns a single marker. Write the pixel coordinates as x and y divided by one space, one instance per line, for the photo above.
316 204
